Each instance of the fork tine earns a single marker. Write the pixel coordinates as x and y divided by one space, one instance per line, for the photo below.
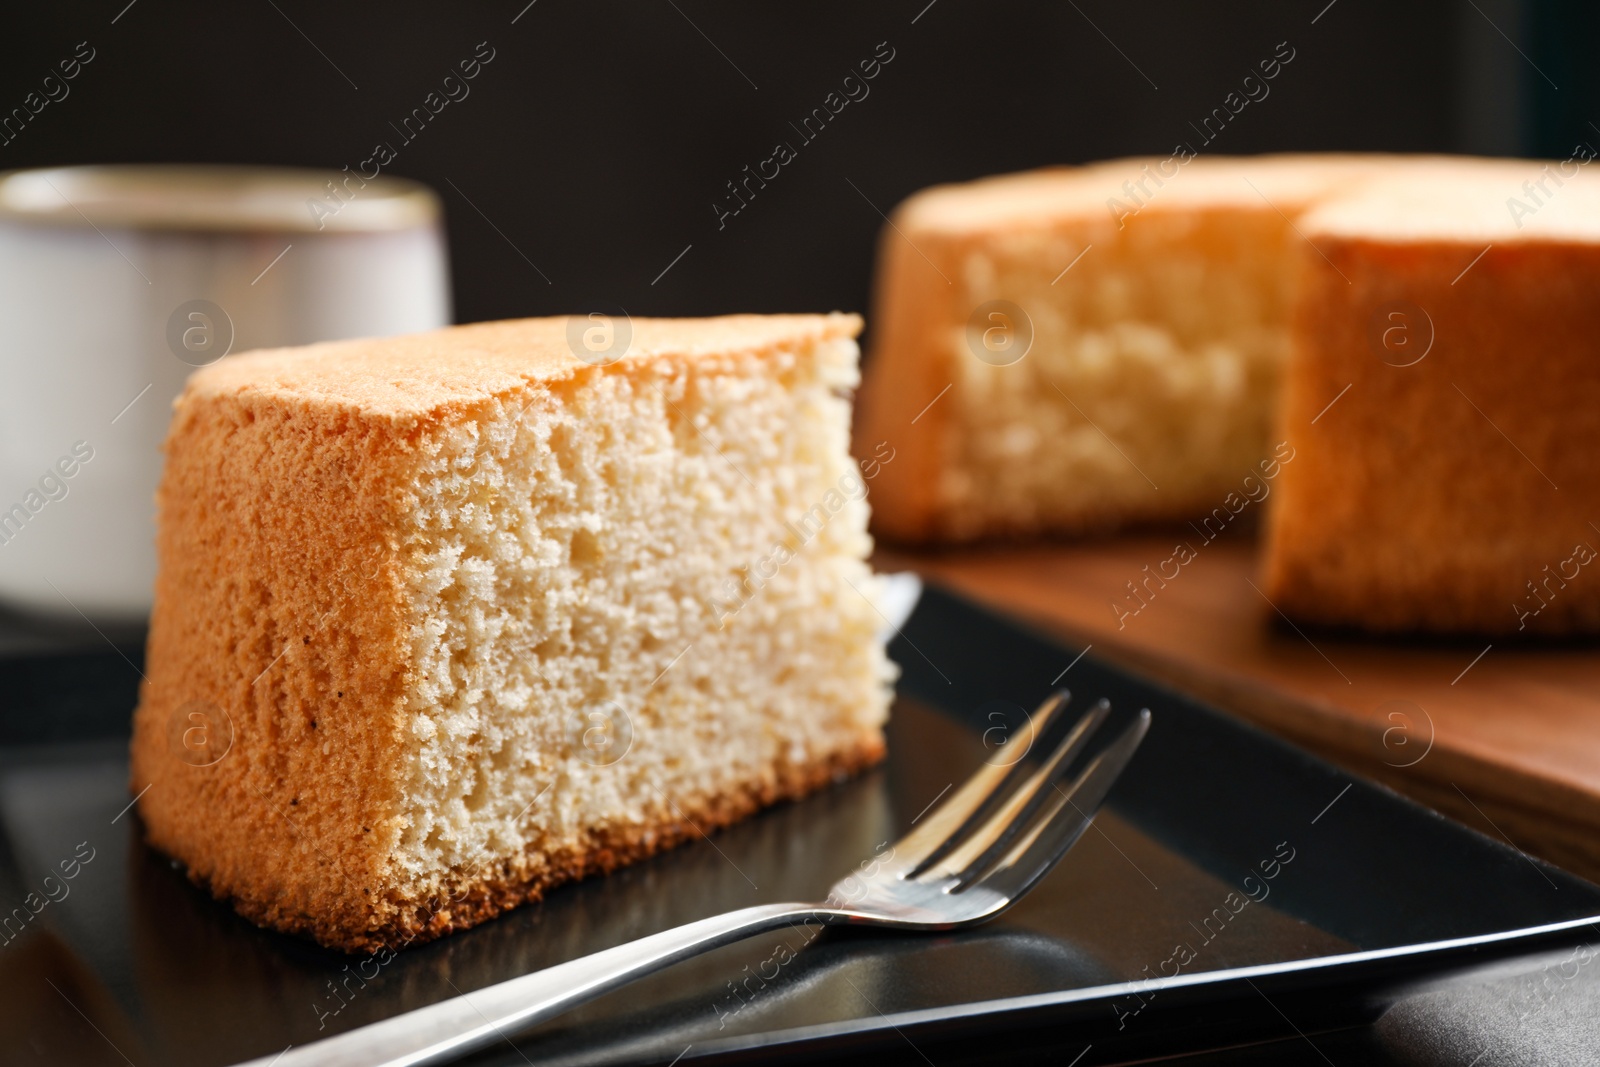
1019 806
1052 832
953 816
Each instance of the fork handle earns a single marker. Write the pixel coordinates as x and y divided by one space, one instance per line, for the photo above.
472 1021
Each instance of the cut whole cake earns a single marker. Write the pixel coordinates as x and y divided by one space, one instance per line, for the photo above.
1092 347
1082 348
1085 348
445 620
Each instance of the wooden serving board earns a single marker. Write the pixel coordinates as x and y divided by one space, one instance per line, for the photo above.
1505 740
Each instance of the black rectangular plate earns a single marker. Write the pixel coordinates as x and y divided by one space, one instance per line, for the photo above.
1233 889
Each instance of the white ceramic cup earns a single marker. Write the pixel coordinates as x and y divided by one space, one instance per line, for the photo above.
115 283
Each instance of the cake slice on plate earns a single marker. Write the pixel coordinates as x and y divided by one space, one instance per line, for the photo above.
445 620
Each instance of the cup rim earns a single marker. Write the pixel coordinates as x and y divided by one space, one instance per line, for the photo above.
215 197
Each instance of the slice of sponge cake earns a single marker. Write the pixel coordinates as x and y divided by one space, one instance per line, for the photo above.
445 620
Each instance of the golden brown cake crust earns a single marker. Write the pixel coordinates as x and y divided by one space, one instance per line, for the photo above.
278 616
1430 496
900 399
403 379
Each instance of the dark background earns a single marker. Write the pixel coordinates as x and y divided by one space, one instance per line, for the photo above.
599 137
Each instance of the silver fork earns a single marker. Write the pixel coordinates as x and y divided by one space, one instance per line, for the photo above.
971 858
